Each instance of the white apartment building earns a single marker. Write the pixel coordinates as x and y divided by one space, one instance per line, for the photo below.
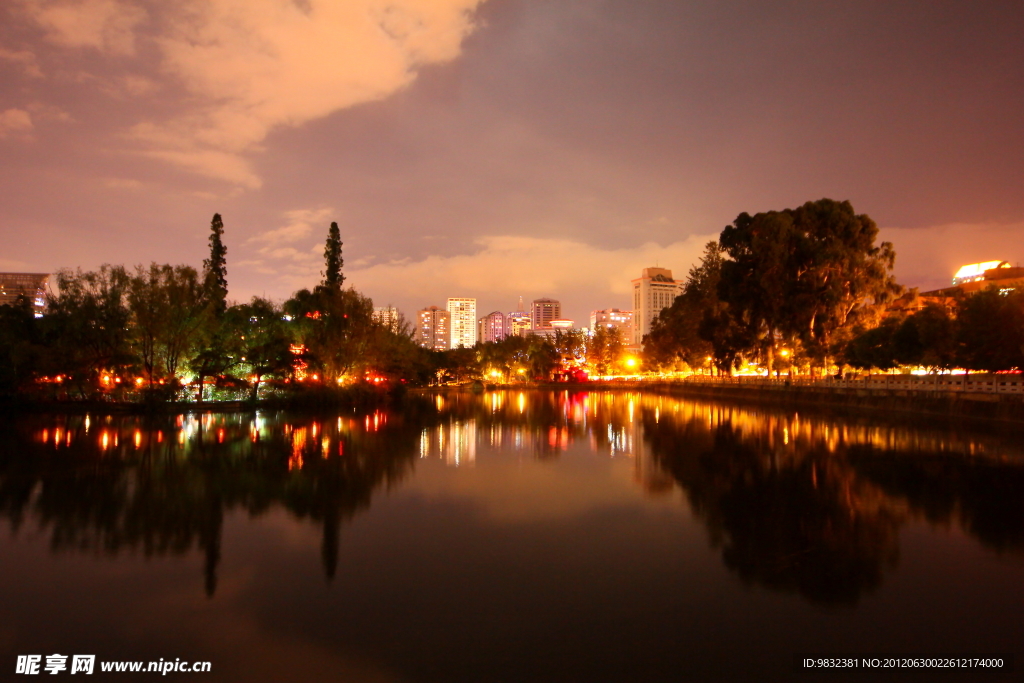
653 291
463 321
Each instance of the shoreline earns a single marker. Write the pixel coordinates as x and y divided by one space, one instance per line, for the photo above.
974 406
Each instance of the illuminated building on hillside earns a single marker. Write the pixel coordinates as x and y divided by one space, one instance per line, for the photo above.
492 327
432 325
975 272
30 285
978 276
614 319
463 322
653 292
543 311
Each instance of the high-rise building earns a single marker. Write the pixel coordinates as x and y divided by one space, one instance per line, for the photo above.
518 322
432 328
543 311
492 327
614 319
653 291
29 285
463 322
386 316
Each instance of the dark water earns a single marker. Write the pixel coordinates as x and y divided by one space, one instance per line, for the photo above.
509 537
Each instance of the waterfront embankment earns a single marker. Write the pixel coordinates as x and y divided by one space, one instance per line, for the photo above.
988 397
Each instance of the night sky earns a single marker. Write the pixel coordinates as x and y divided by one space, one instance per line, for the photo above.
501 148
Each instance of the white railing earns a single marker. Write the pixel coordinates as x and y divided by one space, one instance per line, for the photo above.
986 384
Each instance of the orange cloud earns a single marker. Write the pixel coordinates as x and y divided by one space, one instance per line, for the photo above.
106 25
250 66
15 122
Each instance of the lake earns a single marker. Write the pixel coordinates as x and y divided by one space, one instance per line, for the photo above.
512 536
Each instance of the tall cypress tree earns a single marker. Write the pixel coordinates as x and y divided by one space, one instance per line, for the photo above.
333 279
215 268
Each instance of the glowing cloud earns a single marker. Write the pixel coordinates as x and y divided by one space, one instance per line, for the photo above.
15 122
249 66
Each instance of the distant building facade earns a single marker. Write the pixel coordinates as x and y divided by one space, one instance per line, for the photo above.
978 276
614 319
543 311
386 316
463 322
492 327
30 285
518 322
432 328
653 292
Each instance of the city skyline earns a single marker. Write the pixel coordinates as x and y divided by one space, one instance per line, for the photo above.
500 148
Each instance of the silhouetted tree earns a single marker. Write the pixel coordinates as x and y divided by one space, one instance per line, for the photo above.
215 270
333 279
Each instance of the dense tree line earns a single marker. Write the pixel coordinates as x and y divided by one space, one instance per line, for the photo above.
808 287
983 331
133 334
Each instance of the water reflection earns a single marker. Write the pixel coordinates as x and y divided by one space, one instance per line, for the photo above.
791 502
162 486
810 505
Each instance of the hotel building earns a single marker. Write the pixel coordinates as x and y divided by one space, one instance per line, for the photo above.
543 311
653 292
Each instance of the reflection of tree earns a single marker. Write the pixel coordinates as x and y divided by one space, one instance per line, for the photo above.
130 485
815 506
805 524
985 496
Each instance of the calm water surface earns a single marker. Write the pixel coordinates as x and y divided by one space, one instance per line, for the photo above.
509 536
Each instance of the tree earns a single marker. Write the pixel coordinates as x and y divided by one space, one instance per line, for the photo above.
21 350
87 326
604 348
263 341
167 311
333 279
215 271
990 330
842 276
675 336
810 273
335 326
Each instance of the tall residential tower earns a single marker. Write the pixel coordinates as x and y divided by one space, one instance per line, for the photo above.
653 292
463 321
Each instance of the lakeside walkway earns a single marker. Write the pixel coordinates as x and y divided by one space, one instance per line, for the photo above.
971 384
